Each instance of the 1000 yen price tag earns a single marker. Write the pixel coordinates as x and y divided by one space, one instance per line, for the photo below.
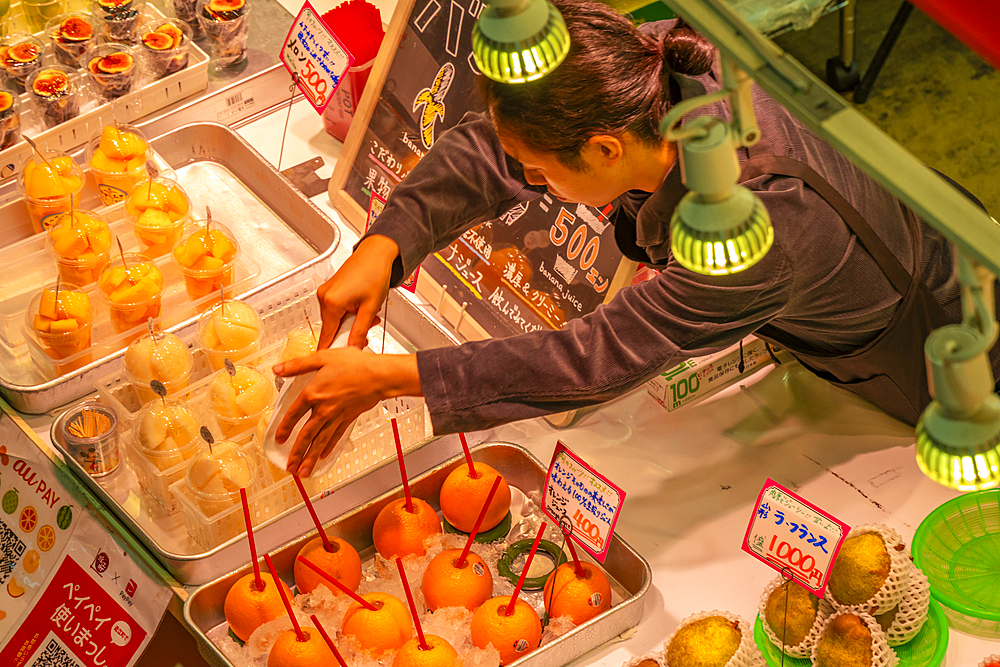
794 537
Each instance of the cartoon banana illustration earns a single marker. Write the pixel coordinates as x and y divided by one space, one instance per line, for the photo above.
432 100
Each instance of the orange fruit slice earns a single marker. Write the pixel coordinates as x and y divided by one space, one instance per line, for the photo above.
343 564
385 629
440 653
446 585
580 598
288 651
398 532
247 609
29 517
31 561
462 497
513 636
46 537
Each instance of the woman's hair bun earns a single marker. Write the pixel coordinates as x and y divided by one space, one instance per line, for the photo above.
687 52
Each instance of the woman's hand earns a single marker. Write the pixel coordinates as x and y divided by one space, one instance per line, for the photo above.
348 382
359 286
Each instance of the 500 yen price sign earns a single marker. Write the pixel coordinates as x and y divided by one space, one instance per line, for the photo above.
794 537
314 55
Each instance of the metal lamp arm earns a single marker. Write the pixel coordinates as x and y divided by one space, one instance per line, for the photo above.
978 308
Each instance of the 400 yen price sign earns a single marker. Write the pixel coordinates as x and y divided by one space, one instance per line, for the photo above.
314 57
794 537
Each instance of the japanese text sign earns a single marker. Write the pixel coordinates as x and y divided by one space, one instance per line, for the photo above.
375 207
74 622
314 57
582 501
794 536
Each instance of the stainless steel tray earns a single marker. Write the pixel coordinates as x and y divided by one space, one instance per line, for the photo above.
281 230
629 572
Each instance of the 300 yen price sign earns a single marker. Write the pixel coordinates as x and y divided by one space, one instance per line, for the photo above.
794 536
583 502
313 55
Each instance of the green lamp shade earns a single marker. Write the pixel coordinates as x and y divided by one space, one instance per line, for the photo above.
962 467
519 43
714 249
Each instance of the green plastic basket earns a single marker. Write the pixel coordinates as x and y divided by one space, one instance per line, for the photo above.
958 548
927 649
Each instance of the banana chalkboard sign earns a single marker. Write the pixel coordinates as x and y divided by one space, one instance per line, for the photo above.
538 266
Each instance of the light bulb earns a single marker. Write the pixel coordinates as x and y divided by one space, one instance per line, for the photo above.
734 247
515 41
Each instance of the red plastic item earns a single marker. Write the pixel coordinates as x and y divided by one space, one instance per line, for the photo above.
358 26
975 22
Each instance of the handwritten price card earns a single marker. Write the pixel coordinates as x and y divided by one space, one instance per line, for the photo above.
582 501
313 54
794 536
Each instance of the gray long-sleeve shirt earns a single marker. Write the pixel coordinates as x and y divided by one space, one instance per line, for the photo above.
817 283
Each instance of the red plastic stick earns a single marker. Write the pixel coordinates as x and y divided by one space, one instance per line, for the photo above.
479 522
468 457
402 467
576 559
329 642
284 600
323 573
524 572
312 513
253 547
413 607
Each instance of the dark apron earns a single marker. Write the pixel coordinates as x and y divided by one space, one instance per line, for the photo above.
890 370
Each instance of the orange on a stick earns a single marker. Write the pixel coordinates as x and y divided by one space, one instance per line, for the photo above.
385 629
462 496
439 653
248 608
580 597
398 532
289 651
513 636
342 563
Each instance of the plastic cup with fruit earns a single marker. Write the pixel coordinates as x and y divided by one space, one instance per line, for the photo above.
80 241
227 24
112 70
165 45
21 56
57 92
10 119
47 183
119 19
239 401
158 356
132 287
71 34
158 209
207 258
216 474
166 433
117 158
61 319
231 329
300 342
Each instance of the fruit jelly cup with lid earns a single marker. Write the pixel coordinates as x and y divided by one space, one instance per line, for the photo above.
69 47
217 358
114 186
131 313
118 20
20 67
158 240
213 503
61 345
202 282
81 271
41 209
173 386
163 459
163 61
112 69
233 426
226 32
10 118
57 91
